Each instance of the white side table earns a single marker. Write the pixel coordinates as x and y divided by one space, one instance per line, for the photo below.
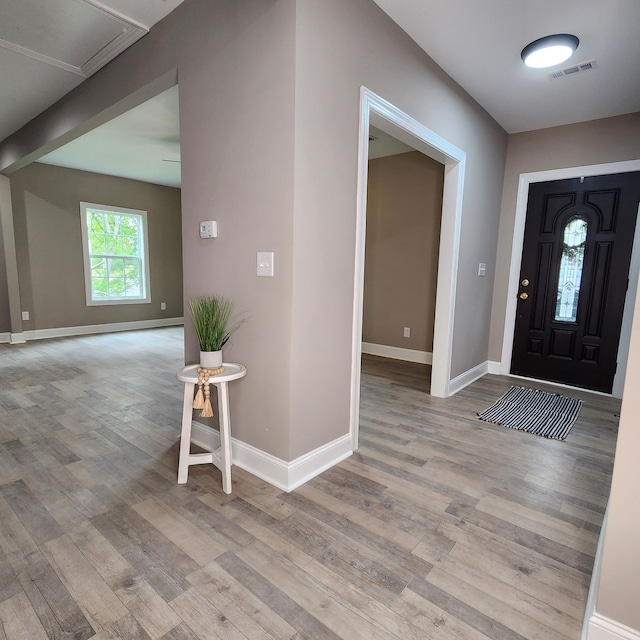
221 457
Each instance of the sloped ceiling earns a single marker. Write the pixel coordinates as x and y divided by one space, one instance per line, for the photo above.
48 47
141 144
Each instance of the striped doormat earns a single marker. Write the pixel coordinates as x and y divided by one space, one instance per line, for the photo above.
545 414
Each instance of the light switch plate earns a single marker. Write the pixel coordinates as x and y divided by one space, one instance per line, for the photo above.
265 264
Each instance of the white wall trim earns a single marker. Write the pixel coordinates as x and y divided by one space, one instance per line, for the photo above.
594 584
559 385
603 628
516 256
283 475
5 337
110 327
375 109
397 353
468 377
494 367
17 338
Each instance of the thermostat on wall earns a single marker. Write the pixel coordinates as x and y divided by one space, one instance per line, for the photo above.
209 229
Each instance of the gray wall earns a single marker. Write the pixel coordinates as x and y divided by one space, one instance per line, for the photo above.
619 586
269 104
9 281
404 208
5 316
46 213
340 47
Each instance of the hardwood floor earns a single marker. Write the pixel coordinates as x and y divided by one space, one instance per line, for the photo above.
440 526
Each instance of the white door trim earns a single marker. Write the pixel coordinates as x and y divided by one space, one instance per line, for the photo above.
516 258
384 115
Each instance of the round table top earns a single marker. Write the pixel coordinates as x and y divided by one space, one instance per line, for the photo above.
232 371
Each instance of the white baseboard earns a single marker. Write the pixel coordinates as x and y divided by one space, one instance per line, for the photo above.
111 327
594 585
397 353
465 379
283 475
596 626
5 337
603 628
494 367
17 338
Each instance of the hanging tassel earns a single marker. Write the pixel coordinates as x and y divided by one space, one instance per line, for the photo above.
198 402
207 410
204 401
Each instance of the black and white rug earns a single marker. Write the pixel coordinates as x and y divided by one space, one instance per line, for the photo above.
546 414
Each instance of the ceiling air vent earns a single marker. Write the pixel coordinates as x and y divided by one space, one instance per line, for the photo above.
574 69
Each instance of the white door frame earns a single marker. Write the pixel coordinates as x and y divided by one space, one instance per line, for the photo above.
516 258
385 116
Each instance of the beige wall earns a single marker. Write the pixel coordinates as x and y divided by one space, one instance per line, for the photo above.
576 145
46 213
340 47
404 208
269 109
619 588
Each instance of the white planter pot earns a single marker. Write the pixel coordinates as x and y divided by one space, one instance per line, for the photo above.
211 359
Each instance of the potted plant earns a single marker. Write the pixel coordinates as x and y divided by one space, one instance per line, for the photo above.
211 316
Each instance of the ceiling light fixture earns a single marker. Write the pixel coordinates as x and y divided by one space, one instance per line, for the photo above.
549 51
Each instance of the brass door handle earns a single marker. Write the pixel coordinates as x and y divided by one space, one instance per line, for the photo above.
524 295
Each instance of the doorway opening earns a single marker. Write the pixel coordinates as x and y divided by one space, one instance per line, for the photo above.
404 209
376 111
128 159
526 179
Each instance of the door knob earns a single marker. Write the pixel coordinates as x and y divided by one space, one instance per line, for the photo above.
524 295
525 283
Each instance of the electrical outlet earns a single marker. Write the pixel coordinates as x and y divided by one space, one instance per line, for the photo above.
407 332
25 315
163 306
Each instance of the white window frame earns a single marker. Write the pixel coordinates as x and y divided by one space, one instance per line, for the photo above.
144 244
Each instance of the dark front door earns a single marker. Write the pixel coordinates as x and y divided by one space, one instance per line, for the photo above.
573 281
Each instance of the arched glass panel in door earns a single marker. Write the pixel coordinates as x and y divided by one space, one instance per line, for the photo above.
574 240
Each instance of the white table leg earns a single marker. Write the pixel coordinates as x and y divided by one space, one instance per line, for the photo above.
185 434
225 435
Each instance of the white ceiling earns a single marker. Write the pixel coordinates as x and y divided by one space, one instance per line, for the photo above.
141 144
479 43
47 47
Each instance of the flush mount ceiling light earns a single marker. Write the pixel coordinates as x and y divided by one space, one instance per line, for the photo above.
550 50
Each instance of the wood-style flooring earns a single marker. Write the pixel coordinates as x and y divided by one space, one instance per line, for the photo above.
440 526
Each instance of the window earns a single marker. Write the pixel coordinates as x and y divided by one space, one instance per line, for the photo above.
116 264
571 264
